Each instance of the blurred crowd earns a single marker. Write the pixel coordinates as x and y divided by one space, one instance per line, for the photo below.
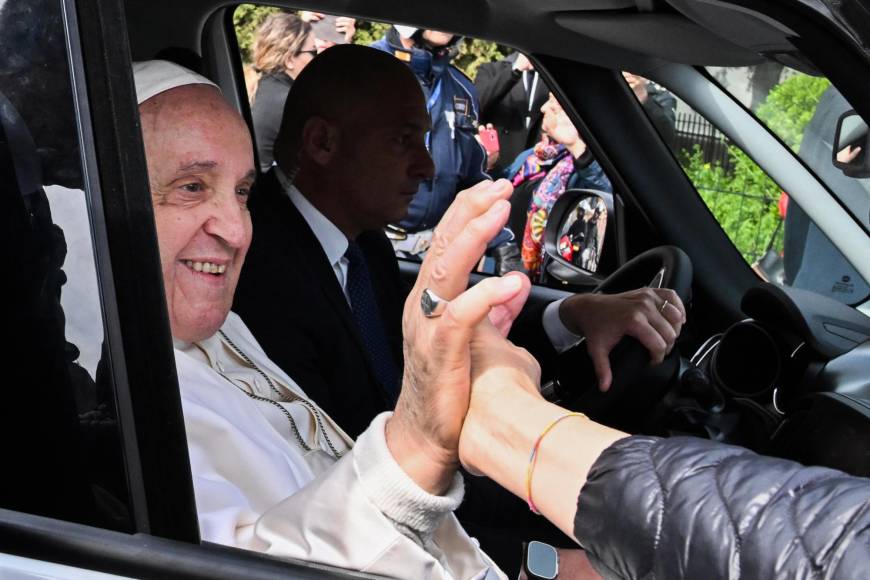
505 122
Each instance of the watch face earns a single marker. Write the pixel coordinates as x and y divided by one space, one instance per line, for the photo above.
542 561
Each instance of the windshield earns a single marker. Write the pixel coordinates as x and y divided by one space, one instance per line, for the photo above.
803 111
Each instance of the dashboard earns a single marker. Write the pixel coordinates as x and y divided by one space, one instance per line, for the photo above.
792 380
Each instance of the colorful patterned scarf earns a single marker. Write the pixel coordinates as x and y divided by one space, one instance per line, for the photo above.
556 164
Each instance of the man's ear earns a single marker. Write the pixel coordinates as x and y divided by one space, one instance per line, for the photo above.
319 140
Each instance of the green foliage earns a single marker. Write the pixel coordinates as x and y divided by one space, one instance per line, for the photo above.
473 52
741 196
246 19
368 32
743 199
790 106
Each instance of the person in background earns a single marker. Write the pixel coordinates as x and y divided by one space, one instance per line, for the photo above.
321 283
540 175
284 44
659 105
460 160
511 96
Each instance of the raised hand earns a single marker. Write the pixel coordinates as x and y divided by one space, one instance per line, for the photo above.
423 434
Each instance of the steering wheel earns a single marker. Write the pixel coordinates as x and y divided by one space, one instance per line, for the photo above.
636 385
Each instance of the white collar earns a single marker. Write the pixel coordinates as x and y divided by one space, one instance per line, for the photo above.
331 238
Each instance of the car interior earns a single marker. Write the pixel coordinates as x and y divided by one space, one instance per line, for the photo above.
780 368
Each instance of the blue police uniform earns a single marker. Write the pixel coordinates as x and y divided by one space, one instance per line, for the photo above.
451 98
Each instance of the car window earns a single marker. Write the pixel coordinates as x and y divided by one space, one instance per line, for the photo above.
487 121
802 110
61 443
769 229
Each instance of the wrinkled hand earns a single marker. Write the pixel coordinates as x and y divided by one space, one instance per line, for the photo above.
605 318
423 434
347 26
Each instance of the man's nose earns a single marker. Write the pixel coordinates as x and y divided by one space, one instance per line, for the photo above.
424 167
229 221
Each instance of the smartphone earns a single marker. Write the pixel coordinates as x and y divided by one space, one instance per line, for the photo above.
489 140
324 29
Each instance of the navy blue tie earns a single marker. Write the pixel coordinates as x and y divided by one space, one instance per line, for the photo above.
369 322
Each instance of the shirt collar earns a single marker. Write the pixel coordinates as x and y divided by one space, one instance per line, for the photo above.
331 238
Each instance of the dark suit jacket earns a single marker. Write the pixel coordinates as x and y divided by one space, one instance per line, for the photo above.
289 297
504 103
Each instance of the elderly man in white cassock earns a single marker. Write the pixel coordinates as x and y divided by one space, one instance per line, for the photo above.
271 471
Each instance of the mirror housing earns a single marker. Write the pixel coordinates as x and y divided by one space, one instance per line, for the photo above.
580 227
851 143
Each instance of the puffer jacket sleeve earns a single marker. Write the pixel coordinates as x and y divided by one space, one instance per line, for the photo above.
690 508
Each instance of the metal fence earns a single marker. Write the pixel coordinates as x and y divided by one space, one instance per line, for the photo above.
739 213
693 129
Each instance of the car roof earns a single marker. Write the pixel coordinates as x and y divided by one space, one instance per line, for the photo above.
626 34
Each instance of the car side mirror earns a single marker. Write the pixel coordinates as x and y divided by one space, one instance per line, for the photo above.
580 227
851 142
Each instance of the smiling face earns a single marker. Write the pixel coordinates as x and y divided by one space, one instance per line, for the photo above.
201 169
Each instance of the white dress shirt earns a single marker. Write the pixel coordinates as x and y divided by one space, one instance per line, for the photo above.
332 240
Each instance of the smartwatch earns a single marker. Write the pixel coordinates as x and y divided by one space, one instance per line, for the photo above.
540 561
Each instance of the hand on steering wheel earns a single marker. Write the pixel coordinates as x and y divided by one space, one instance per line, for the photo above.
634 384
654 316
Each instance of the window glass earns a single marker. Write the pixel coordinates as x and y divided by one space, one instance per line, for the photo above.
488 107
60 439
802 110
770 230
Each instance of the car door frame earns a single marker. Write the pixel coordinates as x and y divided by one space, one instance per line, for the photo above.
165 542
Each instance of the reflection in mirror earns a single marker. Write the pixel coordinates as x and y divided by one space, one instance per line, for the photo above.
850 152
581 234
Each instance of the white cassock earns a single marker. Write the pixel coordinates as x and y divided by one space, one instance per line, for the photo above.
257 488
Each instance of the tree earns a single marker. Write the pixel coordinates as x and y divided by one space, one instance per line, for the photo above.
743 199
790 106
246 19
